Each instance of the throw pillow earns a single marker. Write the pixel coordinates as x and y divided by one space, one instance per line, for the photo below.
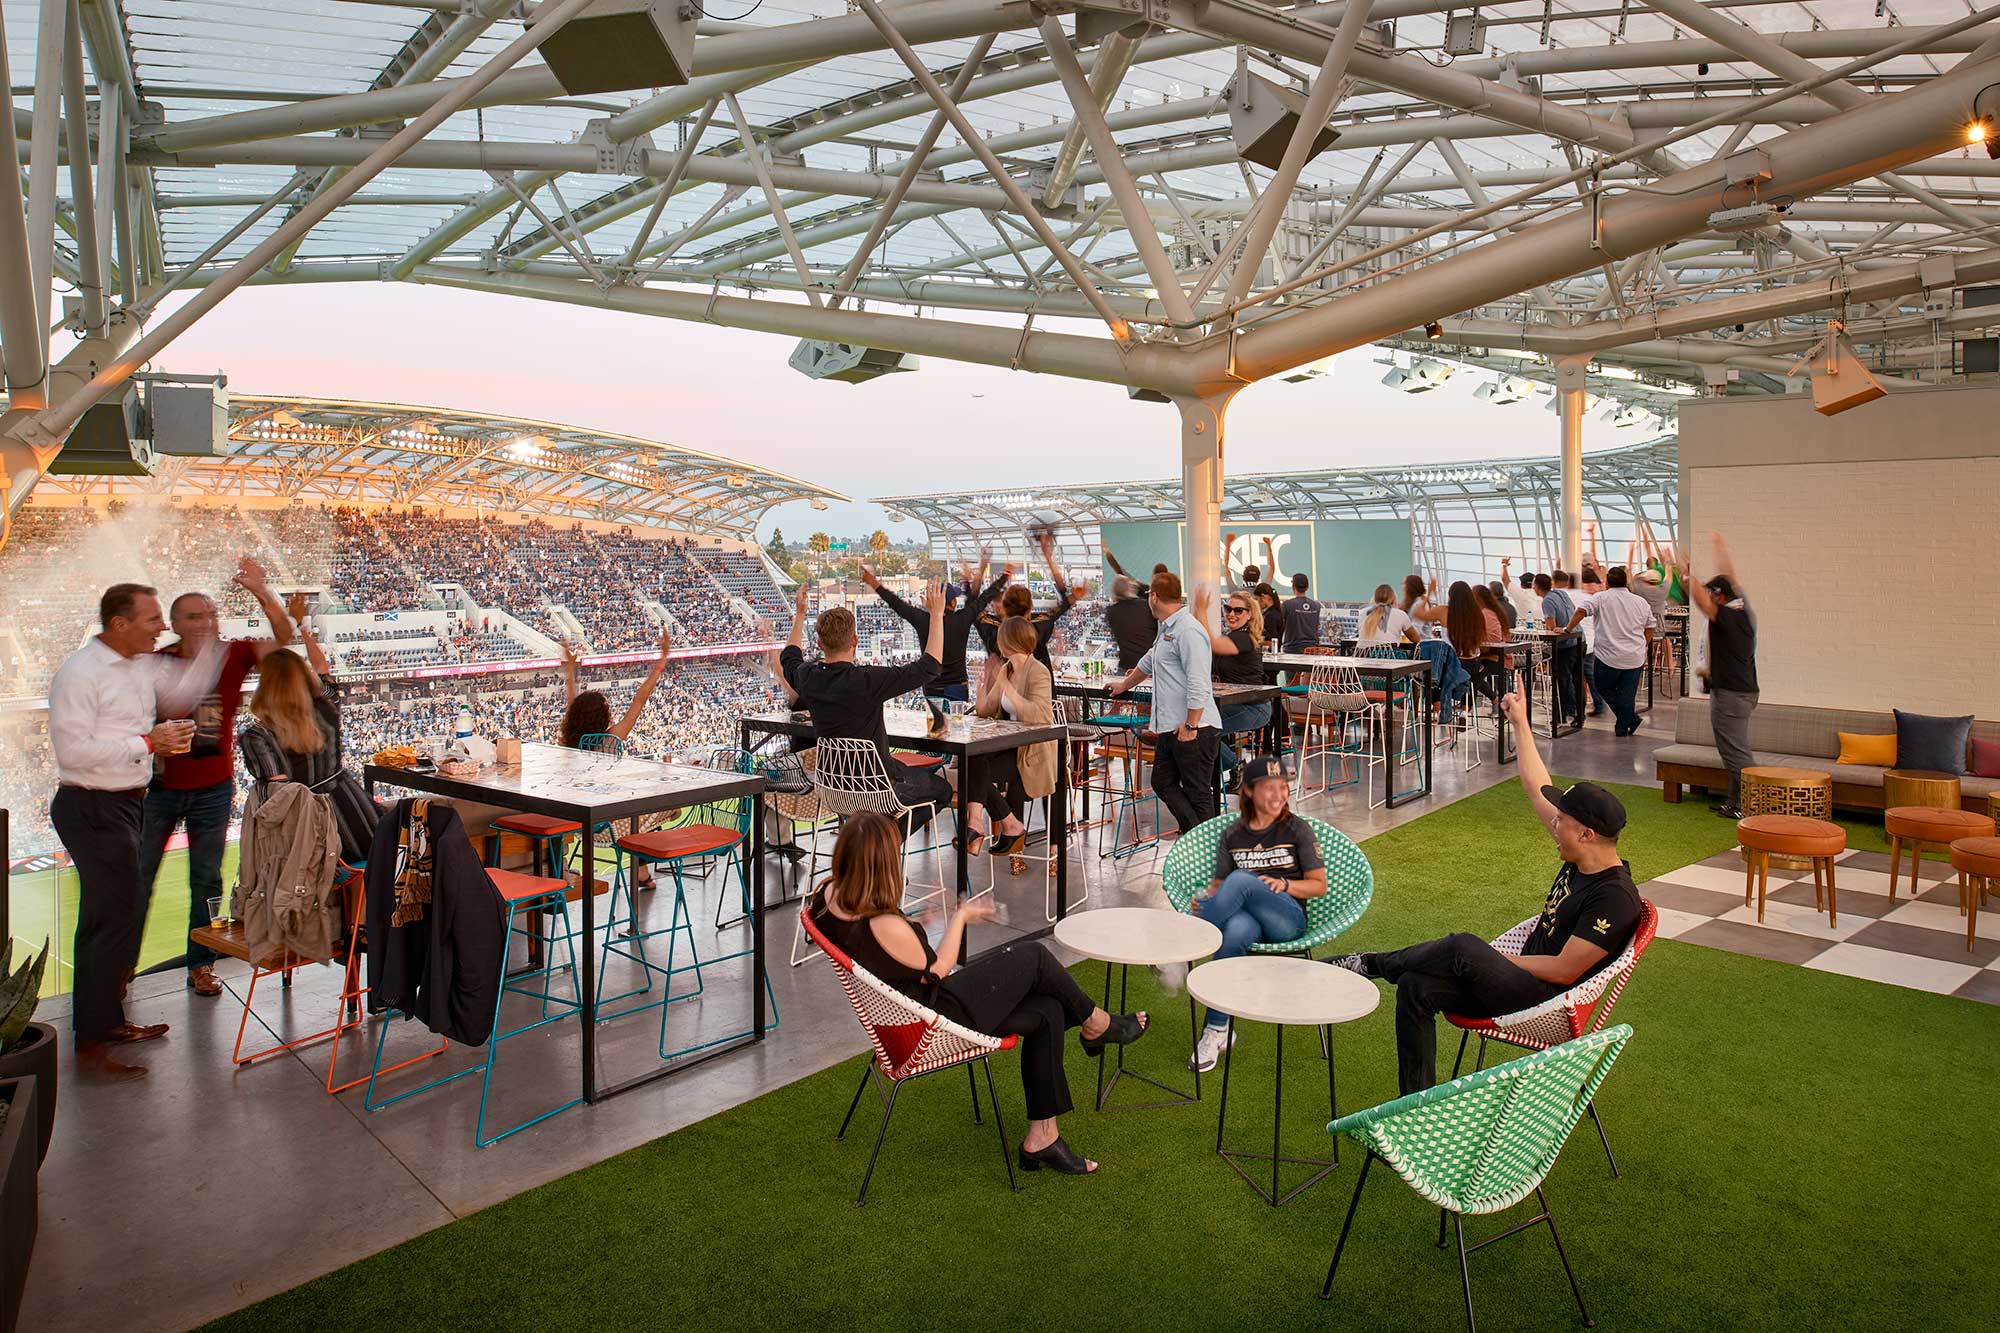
1863 748
1986 759
1931 744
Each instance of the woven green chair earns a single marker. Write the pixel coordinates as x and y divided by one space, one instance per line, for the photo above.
1350 881
1483 1143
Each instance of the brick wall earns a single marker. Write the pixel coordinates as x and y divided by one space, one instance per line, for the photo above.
1876 583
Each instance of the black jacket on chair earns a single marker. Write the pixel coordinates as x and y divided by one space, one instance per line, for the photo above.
445 967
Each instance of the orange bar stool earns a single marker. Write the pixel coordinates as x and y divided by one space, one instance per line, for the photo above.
1977 861
1815 840
1921 824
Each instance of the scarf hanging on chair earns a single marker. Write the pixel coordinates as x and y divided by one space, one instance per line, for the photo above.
414 865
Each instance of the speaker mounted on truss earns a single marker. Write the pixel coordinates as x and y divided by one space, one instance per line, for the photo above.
622 45
1262 118
850 363
110 441
1839 379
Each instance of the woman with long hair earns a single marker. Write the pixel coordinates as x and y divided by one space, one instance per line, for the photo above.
294 736
1018 600
1020 989
1465 622
1384 622
1020 688
1237 660
588 712
1266 865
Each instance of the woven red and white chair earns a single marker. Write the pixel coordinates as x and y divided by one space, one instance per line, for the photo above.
909 1041
1580 1009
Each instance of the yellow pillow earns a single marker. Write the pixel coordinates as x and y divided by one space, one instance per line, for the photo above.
1865 749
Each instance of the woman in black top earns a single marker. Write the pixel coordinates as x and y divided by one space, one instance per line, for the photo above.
1238 661
1021 989
1273 614
1019 600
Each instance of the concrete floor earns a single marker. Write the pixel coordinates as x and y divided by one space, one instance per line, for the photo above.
277 1182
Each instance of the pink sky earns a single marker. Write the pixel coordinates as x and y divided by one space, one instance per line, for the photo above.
946 426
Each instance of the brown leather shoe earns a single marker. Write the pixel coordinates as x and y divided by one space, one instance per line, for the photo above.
201 980
94 1058
133 1032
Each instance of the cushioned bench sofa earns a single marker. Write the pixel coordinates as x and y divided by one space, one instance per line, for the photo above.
1798 737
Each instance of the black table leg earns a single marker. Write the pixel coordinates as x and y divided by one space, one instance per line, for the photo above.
1430 754
1059 828
1104 1089
1276 1157
756 916
1392 743
587 974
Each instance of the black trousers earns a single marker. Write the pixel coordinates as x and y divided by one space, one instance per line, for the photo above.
100 831
1459 974
996 784
917 786
1184 774
1021 989
1567 667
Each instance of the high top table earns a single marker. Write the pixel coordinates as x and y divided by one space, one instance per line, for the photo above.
963 738
1284 992
1145 937
1099 688
593 789
1415 671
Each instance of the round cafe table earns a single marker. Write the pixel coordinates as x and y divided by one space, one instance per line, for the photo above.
1142 937
1284 992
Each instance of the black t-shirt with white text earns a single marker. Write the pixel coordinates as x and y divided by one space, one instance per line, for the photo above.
1287 849
1603 908
1732 648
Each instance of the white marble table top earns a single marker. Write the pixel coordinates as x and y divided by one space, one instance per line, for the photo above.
1264 988
1142 936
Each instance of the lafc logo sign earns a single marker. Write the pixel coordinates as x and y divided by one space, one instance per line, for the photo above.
1247 548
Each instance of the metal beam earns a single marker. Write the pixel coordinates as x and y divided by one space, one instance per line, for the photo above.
24 337
89 257
43 168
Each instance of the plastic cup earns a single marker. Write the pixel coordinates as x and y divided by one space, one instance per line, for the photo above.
180 740
217 919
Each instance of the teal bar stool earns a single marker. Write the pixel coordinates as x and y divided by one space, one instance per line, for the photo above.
527 896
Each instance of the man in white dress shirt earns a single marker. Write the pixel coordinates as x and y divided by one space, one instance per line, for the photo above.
104 735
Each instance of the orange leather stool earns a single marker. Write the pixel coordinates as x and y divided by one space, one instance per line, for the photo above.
1977 861
1920 824
1814 840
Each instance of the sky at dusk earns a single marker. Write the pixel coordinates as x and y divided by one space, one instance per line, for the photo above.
947 426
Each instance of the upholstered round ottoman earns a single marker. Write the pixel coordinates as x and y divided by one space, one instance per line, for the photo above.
1817 841
1921 824
1977 861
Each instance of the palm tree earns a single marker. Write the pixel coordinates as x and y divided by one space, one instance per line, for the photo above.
878 543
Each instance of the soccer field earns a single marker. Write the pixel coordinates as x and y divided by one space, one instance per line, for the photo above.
42 905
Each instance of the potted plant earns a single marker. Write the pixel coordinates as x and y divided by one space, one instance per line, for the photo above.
19 1201
28 1048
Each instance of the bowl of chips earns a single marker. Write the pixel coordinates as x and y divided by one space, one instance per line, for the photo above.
397 756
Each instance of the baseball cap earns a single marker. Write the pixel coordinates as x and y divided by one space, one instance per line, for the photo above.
1591 806
1262 766
1720 586
1650 575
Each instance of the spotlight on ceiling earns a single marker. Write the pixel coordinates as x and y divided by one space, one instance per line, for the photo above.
1985 124
1507 389
850 363
1423 375
1434 330
1262 116
621 45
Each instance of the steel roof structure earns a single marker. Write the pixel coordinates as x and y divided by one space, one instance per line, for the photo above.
1137 192
340 452
1464 516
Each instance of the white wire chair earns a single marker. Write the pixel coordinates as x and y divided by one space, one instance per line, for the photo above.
1334 701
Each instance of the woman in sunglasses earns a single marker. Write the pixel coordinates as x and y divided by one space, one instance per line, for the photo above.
1238 661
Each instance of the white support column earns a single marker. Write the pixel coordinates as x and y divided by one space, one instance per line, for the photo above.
42 152
1201 493
23 337
1570 399
91 274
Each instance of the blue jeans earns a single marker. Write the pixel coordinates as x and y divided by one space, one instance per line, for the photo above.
955 693
1619 687
205 811
1447 672
1238 718
1248 911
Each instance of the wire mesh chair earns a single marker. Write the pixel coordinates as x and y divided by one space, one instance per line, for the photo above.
851 778
1334 703
1350 882
1483 1143
909 1040
1581 1009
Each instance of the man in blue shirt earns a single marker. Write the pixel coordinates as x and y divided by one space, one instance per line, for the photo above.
1566 663
1188 729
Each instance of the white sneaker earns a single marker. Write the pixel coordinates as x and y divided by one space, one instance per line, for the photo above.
1213 1042
1173 977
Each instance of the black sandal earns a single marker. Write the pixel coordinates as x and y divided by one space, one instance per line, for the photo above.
972 845
1058 1156
1122 1030
1011 846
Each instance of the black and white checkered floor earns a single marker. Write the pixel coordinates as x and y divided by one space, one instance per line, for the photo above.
1916 942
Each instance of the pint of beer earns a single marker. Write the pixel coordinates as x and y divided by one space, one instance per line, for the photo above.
180 739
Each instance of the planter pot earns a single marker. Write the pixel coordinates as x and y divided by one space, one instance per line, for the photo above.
34 1056
18 1198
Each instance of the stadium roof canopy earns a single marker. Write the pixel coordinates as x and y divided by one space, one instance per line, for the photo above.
1137 192
1635 482
375 453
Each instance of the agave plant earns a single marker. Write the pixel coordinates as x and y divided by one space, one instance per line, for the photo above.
19 993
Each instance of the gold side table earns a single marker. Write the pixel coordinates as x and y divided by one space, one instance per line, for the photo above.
1787 791
1903 786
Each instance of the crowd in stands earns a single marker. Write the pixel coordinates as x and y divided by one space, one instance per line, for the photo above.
374 560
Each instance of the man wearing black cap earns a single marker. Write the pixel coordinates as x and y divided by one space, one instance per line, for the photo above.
1732 669
1591 912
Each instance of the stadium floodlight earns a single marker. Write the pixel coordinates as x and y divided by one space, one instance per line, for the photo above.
850 363
1423 375
622 45
1504 390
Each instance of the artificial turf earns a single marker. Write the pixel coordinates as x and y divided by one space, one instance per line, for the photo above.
1800 1149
